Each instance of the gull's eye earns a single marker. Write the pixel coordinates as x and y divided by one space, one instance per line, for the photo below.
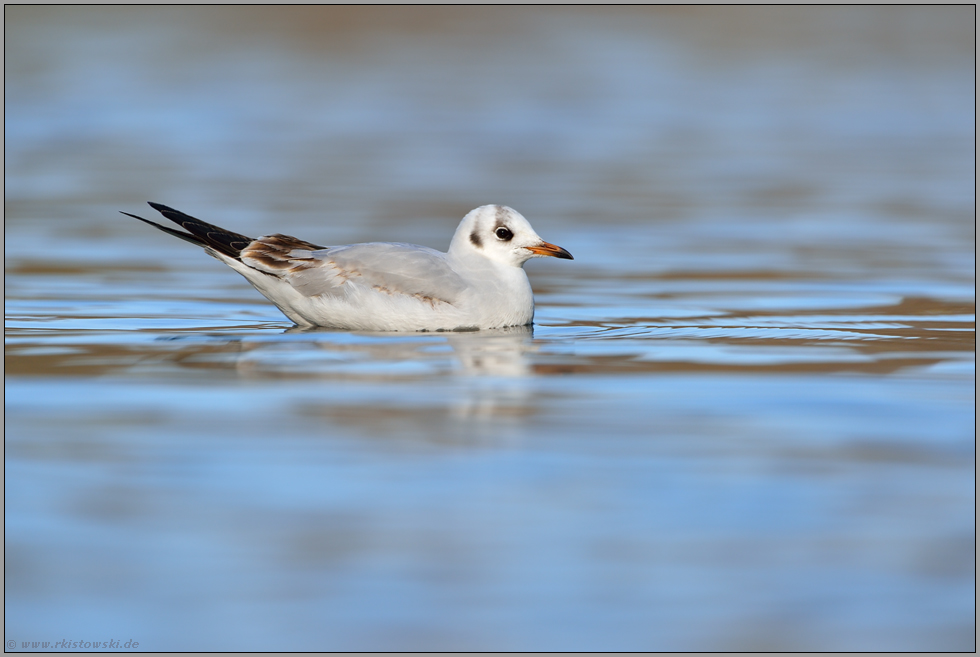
503 233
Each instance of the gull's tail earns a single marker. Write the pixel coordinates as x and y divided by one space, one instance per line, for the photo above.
199 232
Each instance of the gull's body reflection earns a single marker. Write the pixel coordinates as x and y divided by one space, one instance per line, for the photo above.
496 352
423 379
489 352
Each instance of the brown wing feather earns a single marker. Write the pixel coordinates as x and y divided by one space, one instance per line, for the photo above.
281 252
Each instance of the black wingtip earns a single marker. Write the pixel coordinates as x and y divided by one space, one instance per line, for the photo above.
146 221
187 237
199 232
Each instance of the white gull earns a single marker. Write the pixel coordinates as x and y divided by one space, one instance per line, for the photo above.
387 286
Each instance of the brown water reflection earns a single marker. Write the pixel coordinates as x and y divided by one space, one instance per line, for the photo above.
913 333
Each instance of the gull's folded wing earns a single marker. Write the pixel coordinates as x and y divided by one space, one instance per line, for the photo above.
397 269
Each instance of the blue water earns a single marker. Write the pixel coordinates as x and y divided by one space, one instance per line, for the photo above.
744 418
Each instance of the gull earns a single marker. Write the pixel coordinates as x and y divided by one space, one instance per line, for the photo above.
387 286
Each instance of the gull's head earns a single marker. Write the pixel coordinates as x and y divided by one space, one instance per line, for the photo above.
501 235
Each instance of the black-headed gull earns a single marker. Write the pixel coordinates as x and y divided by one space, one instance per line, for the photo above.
386 286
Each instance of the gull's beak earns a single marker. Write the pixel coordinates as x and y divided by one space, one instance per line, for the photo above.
547 249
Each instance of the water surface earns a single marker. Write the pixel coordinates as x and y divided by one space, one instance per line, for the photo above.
743 419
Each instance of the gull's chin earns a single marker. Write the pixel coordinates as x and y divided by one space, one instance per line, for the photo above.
548 249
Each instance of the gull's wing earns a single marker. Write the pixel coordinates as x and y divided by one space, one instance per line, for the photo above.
391 268
312 270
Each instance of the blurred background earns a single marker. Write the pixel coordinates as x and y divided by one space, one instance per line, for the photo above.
744 418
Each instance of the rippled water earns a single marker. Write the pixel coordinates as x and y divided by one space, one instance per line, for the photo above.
743 419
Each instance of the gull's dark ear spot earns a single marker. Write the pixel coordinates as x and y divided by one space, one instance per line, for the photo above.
501 214
475 238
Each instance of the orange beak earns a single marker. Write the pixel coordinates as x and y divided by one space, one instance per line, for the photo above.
547 249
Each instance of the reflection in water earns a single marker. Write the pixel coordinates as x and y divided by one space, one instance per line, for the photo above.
502 352
489 364
496 364
328 352
485 367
